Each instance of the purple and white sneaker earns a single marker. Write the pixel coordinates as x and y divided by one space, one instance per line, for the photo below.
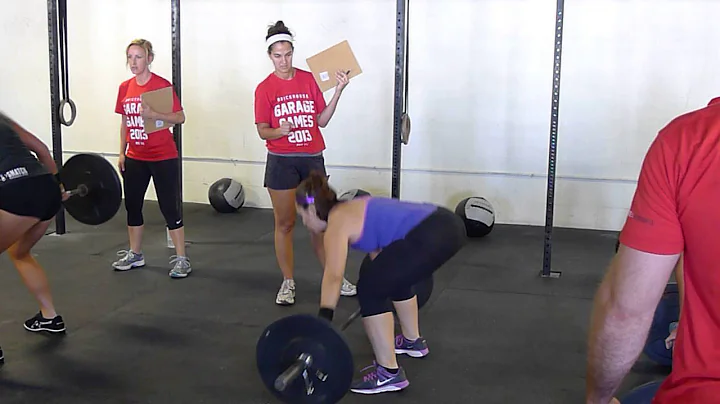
379 380
416 349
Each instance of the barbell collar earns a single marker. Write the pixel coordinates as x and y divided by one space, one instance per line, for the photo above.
81 190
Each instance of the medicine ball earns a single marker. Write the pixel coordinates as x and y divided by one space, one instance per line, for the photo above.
352 194
478 215
226 195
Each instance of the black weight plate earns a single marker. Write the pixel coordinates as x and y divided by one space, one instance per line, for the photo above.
282 342
104 189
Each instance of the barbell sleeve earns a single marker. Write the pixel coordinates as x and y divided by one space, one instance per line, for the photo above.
303 362
81 190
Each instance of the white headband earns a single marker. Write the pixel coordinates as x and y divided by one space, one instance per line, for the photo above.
277 38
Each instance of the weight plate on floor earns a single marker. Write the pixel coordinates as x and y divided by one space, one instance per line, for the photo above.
284 340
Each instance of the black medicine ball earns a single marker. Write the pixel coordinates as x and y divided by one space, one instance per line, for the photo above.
477 214
352 194
226 195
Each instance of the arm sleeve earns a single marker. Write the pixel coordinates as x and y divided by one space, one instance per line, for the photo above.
262 107
653 224
120 97
318 96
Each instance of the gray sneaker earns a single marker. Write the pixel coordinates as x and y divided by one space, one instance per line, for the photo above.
128 261
286 295
348 289
182 268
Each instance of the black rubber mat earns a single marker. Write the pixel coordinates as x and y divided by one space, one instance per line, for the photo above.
497 332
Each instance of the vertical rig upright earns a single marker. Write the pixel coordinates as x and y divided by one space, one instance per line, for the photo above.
53 42
177 85
400 49
547 271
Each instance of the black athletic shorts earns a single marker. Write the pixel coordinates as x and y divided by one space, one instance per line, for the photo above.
287 172
34 196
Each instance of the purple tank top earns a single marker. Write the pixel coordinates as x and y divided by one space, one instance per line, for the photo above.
388 220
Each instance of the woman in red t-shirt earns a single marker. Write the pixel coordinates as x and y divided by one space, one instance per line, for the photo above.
149 155
289 112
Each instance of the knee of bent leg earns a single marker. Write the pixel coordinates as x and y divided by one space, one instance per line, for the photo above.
17 253
403 293
371 302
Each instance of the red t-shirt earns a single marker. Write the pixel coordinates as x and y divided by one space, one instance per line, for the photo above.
298 100
155 146
676 208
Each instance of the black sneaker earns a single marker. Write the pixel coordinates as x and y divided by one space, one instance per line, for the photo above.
2 357
40 323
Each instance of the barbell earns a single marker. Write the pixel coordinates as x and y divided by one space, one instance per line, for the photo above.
93 186
305 359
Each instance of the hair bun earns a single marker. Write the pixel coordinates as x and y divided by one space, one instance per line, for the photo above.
278 28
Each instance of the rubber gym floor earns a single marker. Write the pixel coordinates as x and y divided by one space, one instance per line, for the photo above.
498 333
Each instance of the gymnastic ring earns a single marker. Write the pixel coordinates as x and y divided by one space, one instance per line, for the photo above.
73 112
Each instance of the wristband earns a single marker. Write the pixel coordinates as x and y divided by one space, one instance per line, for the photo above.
326 313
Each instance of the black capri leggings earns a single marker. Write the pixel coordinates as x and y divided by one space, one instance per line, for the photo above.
390 277
166 176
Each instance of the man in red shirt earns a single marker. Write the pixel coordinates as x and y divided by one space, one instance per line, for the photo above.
674 211
289 111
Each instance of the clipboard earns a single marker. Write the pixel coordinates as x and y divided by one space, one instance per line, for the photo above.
337 57
160 101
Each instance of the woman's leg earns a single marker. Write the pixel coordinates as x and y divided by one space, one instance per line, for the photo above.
13 227
376 309
406 262
136 179
36 281
166 178
281 179
407 312
283 203
380 329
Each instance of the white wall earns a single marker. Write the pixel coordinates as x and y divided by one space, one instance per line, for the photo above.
480 83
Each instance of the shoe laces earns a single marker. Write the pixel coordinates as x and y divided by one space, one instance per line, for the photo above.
287 285
125 253
371 375
174 259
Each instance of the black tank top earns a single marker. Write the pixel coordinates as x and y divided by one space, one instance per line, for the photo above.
16 160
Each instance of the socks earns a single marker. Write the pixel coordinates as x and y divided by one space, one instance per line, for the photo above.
391 371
